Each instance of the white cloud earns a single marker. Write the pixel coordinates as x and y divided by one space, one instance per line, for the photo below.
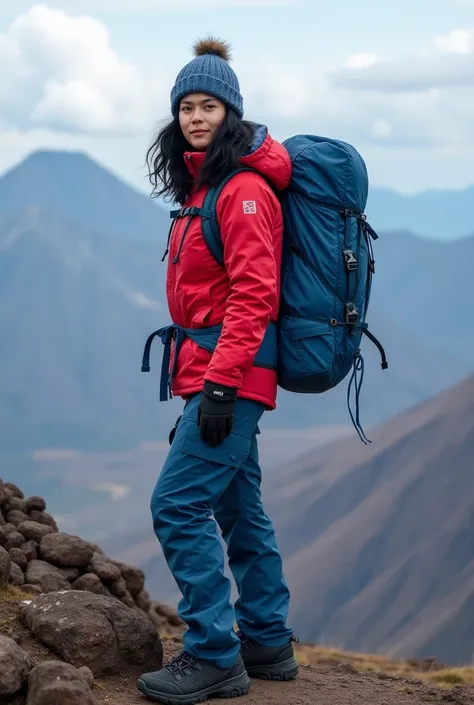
382 128
63 85
362 61
415 119
448 62
143 5
60 71
115 490
459 41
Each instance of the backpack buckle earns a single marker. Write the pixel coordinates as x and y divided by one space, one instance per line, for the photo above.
352 314
350 259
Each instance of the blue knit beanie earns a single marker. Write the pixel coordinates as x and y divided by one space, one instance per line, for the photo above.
209 73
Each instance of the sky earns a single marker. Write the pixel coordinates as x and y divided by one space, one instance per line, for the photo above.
396 79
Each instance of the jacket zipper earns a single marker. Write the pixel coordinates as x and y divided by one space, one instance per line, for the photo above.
172 273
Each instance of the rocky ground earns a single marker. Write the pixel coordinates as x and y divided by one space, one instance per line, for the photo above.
77 628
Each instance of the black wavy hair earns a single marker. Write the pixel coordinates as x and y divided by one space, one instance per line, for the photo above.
167 170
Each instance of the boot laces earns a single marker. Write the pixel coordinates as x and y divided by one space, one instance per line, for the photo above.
179 664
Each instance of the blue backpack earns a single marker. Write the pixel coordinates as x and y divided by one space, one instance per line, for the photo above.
327 267
326 276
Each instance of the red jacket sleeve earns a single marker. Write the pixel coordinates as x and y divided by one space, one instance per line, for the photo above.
247 212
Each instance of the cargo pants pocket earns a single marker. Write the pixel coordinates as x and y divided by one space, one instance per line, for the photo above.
232 452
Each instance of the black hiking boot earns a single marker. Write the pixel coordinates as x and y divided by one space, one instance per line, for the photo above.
187 680
275 663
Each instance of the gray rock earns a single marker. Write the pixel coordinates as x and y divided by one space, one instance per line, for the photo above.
128 600
37 503
63 549
15 665
33 531
16 492
16 517
95 631
118 588
43 518
16 575
89 582
31 589
18 557
104 569
87 675
13 539
5 567
17 504
6 506
58 683
70 573
169 613
46 576
143 600
29 548
134 577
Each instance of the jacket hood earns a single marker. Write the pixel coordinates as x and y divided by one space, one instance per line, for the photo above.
266 155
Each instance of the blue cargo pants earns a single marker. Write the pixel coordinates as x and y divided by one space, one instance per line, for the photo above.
196 482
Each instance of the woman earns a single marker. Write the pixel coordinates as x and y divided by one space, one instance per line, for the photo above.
212 466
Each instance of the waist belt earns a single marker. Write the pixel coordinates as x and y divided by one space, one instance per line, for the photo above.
207 338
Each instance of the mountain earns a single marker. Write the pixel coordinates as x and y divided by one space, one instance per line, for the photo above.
75 310
379 541
439 214
78 189
426 286
76 307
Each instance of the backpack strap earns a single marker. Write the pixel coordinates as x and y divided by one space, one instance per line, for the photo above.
210 225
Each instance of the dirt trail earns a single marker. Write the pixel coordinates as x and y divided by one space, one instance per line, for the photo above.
314 686
340 685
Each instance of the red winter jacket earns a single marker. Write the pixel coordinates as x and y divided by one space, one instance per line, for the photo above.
243 295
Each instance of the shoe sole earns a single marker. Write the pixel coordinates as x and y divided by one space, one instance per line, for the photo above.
284 671
232 688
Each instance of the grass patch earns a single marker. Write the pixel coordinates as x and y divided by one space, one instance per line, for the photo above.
452 677
427 670
12 593
6 624
301 658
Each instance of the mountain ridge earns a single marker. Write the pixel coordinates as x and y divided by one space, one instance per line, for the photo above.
90 194
433 214
378 540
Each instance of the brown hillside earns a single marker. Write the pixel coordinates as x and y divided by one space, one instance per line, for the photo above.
379 540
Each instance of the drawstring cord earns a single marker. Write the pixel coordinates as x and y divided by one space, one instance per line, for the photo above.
358 367
168 242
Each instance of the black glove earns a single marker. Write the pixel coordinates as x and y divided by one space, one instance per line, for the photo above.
216 413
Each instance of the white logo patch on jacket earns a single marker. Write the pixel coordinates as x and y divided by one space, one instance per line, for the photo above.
250 207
